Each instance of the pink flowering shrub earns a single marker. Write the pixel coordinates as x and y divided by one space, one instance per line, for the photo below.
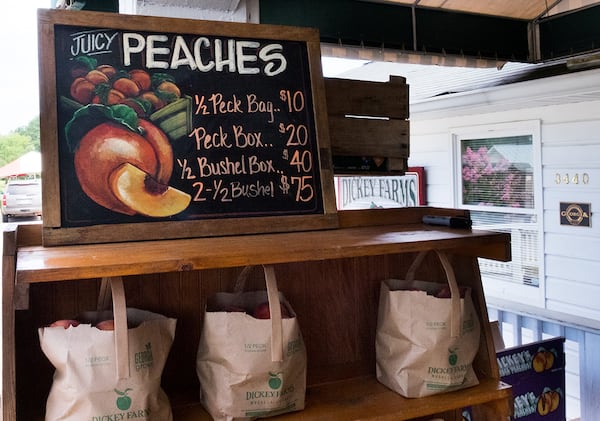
490 183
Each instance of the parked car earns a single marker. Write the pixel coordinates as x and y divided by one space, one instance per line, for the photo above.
22 197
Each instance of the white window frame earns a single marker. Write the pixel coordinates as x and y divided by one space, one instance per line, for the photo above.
496 288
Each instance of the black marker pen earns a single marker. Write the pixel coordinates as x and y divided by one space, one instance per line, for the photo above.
448 221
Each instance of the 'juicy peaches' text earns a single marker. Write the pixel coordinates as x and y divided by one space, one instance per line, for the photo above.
203 54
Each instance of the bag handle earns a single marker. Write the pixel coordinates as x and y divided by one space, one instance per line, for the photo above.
240 282
456 314
117 294
274 307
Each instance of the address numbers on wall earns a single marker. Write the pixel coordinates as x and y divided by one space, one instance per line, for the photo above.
571 178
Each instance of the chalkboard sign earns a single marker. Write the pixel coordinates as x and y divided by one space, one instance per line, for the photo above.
167 128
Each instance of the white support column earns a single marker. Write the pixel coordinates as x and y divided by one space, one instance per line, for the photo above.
590 377
219 10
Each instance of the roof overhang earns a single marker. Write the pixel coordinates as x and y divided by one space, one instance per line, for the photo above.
494 31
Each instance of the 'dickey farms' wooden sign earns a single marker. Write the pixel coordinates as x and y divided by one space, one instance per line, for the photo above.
168 128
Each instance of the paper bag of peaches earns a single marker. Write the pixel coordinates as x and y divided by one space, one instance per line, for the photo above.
108 362
427 334
251 359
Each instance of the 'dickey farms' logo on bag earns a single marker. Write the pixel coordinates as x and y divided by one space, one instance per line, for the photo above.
273 399
452 372
274 384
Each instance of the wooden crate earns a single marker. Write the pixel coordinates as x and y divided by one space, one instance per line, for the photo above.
368 125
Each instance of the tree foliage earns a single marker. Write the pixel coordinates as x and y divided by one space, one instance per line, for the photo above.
32 130
20 141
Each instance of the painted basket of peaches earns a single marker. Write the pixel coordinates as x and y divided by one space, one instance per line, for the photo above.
121 127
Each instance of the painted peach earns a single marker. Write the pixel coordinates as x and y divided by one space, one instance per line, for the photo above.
96 77
162 146
141 193
544 404
539 361
107 69
126 86
154 100
555 396
109 97
109 145
168 89
141 78
82 90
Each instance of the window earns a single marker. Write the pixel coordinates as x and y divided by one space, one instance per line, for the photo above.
498 178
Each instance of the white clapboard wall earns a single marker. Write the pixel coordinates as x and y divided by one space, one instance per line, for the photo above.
567 109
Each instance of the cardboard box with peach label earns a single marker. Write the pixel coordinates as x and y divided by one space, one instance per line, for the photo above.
536 372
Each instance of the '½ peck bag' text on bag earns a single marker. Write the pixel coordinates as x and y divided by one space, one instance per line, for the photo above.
425 344
250 368
104 374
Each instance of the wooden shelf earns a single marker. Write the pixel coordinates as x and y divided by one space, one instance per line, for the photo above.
366 399
43 264
360 399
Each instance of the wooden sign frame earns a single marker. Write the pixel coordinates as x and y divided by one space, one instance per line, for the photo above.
246 121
